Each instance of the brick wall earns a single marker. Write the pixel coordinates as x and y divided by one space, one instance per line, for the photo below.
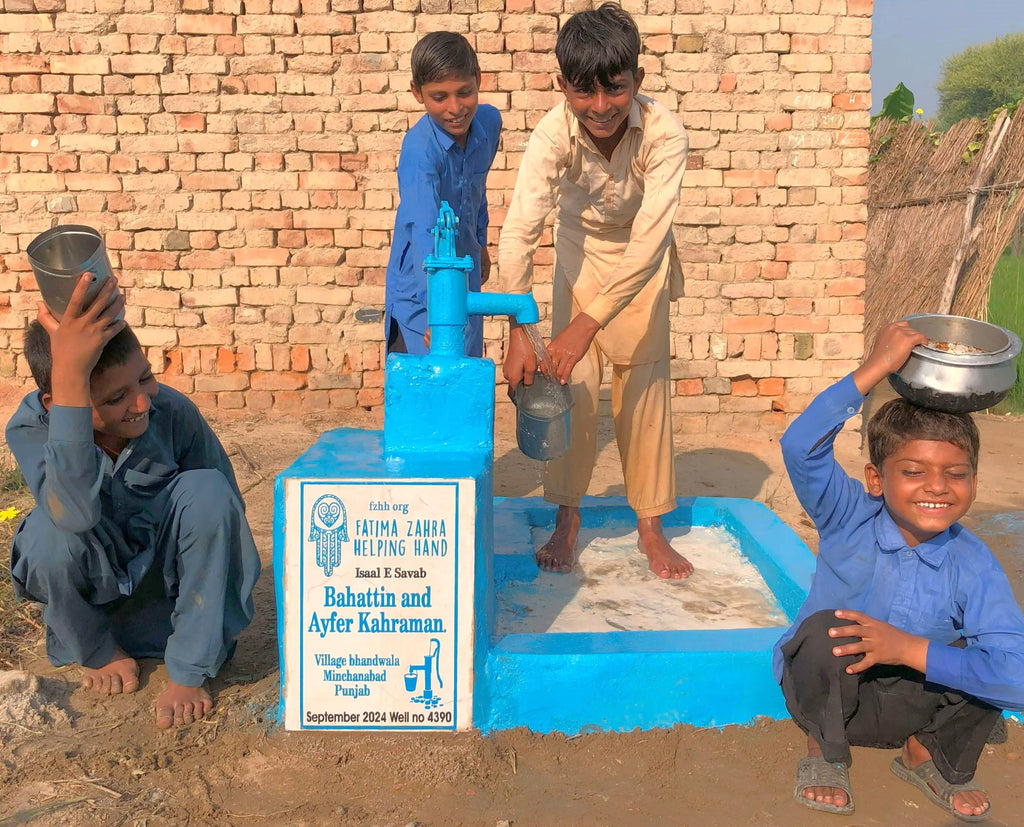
239 158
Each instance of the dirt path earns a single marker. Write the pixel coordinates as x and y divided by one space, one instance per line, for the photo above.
106 765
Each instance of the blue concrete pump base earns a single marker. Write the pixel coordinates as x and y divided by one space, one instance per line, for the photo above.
580 682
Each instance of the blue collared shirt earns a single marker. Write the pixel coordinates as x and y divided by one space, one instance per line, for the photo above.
433 168
943 589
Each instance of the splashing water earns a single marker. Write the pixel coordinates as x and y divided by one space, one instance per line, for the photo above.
539 348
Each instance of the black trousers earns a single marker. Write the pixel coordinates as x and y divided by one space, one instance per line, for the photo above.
881 707
396 342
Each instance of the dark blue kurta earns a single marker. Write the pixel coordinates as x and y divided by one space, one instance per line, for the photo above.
152 553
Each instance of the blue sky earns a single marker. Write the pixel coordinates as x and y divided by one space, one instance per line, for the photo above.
913 38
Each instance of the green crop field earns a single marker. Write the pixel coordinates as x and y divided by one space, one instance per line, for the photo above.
1006 309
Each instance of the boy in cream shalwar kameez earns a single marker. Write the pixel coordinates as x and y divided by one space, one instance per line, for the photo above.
611 162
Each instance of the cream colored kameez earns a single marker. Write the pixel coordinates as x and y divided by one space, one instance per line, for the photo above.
615 260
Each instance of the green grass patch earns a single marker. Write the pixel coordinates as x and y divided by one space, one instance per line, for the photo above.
1006 309
20 623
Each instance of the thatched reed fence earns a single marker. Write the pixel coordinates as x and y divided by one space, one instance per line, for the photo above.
940 216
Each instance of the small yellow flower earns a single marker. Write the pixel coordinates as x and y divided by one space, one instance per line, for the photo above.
919 111
8 514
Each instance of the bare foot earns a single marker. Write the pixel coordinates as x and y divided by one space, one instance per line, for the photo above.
178 705
824 795
559 553
120 675
663 560
968 802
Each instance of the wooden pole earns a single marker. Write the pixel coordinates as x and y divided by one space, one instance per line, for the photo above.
970 234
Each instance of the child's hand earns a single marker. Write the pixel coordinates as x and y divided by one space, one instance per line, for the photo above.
78 339
520 360
571 345
879 643
892 349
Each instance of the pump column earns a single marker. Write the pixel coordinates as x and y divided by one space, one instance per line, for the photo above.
447 287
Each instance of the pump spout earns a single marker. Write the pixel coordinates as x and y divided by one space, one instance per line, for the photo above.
520 305
449 301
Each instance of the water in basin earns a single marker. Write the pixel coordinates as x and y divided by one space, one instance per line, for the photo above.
612 589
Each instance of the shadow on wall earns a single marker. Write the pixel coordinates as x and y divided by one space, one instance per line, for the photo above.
715 472
720 472
709 472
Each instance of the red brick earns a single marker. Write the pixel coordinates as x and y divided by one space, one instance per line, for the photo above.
20 104
79 64
744 387
846 287
207 259
27 143
758 178
802 324
259 400
83 104
300 358
210 181
172 363
148 261
204 24
852 101
748 324
276 380
256 257
772 386
34 23
370 397
325 180
23 64
92 182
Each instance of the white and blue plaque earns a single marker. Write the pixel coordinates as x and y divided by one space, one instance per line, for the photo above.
378 604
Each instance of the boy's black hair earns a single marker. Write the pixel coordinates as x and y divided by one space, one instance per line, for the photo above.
441 55
899 421
37 351
595 46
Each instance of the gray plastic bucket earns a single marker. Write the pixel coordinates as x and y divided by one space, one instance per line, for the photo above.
542 418
60 255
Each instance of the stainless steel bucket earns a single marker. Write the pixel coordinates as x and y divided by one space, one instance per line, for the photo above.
60 255
936 377
542 418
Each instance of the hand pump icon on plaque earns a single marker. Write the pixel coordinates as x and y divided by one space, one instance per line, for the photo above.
328 528
431 669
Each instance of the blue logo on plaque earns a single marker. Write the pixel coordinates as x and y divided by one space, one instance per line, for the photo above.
328 528
431 671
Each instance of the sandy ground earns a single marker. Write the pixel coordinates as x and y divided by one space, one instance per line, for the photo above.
71 758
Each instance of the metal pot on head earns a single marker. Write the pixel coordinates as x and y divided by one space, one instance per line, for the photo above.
60 256
542 418
967 365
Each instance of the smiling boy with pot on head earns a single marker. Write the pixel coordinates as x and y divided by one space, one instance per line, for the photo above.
138 545
910 636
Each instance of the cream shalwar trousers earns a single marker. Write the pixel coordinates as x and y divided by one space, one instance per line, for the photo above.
636 343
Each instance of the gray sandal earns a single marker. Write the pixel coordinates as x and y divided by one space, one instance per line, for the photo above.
817 772
927 778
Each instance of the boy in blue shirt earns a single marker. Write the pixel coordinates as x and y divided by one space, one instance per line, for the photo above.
445 157
910 636
138 545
